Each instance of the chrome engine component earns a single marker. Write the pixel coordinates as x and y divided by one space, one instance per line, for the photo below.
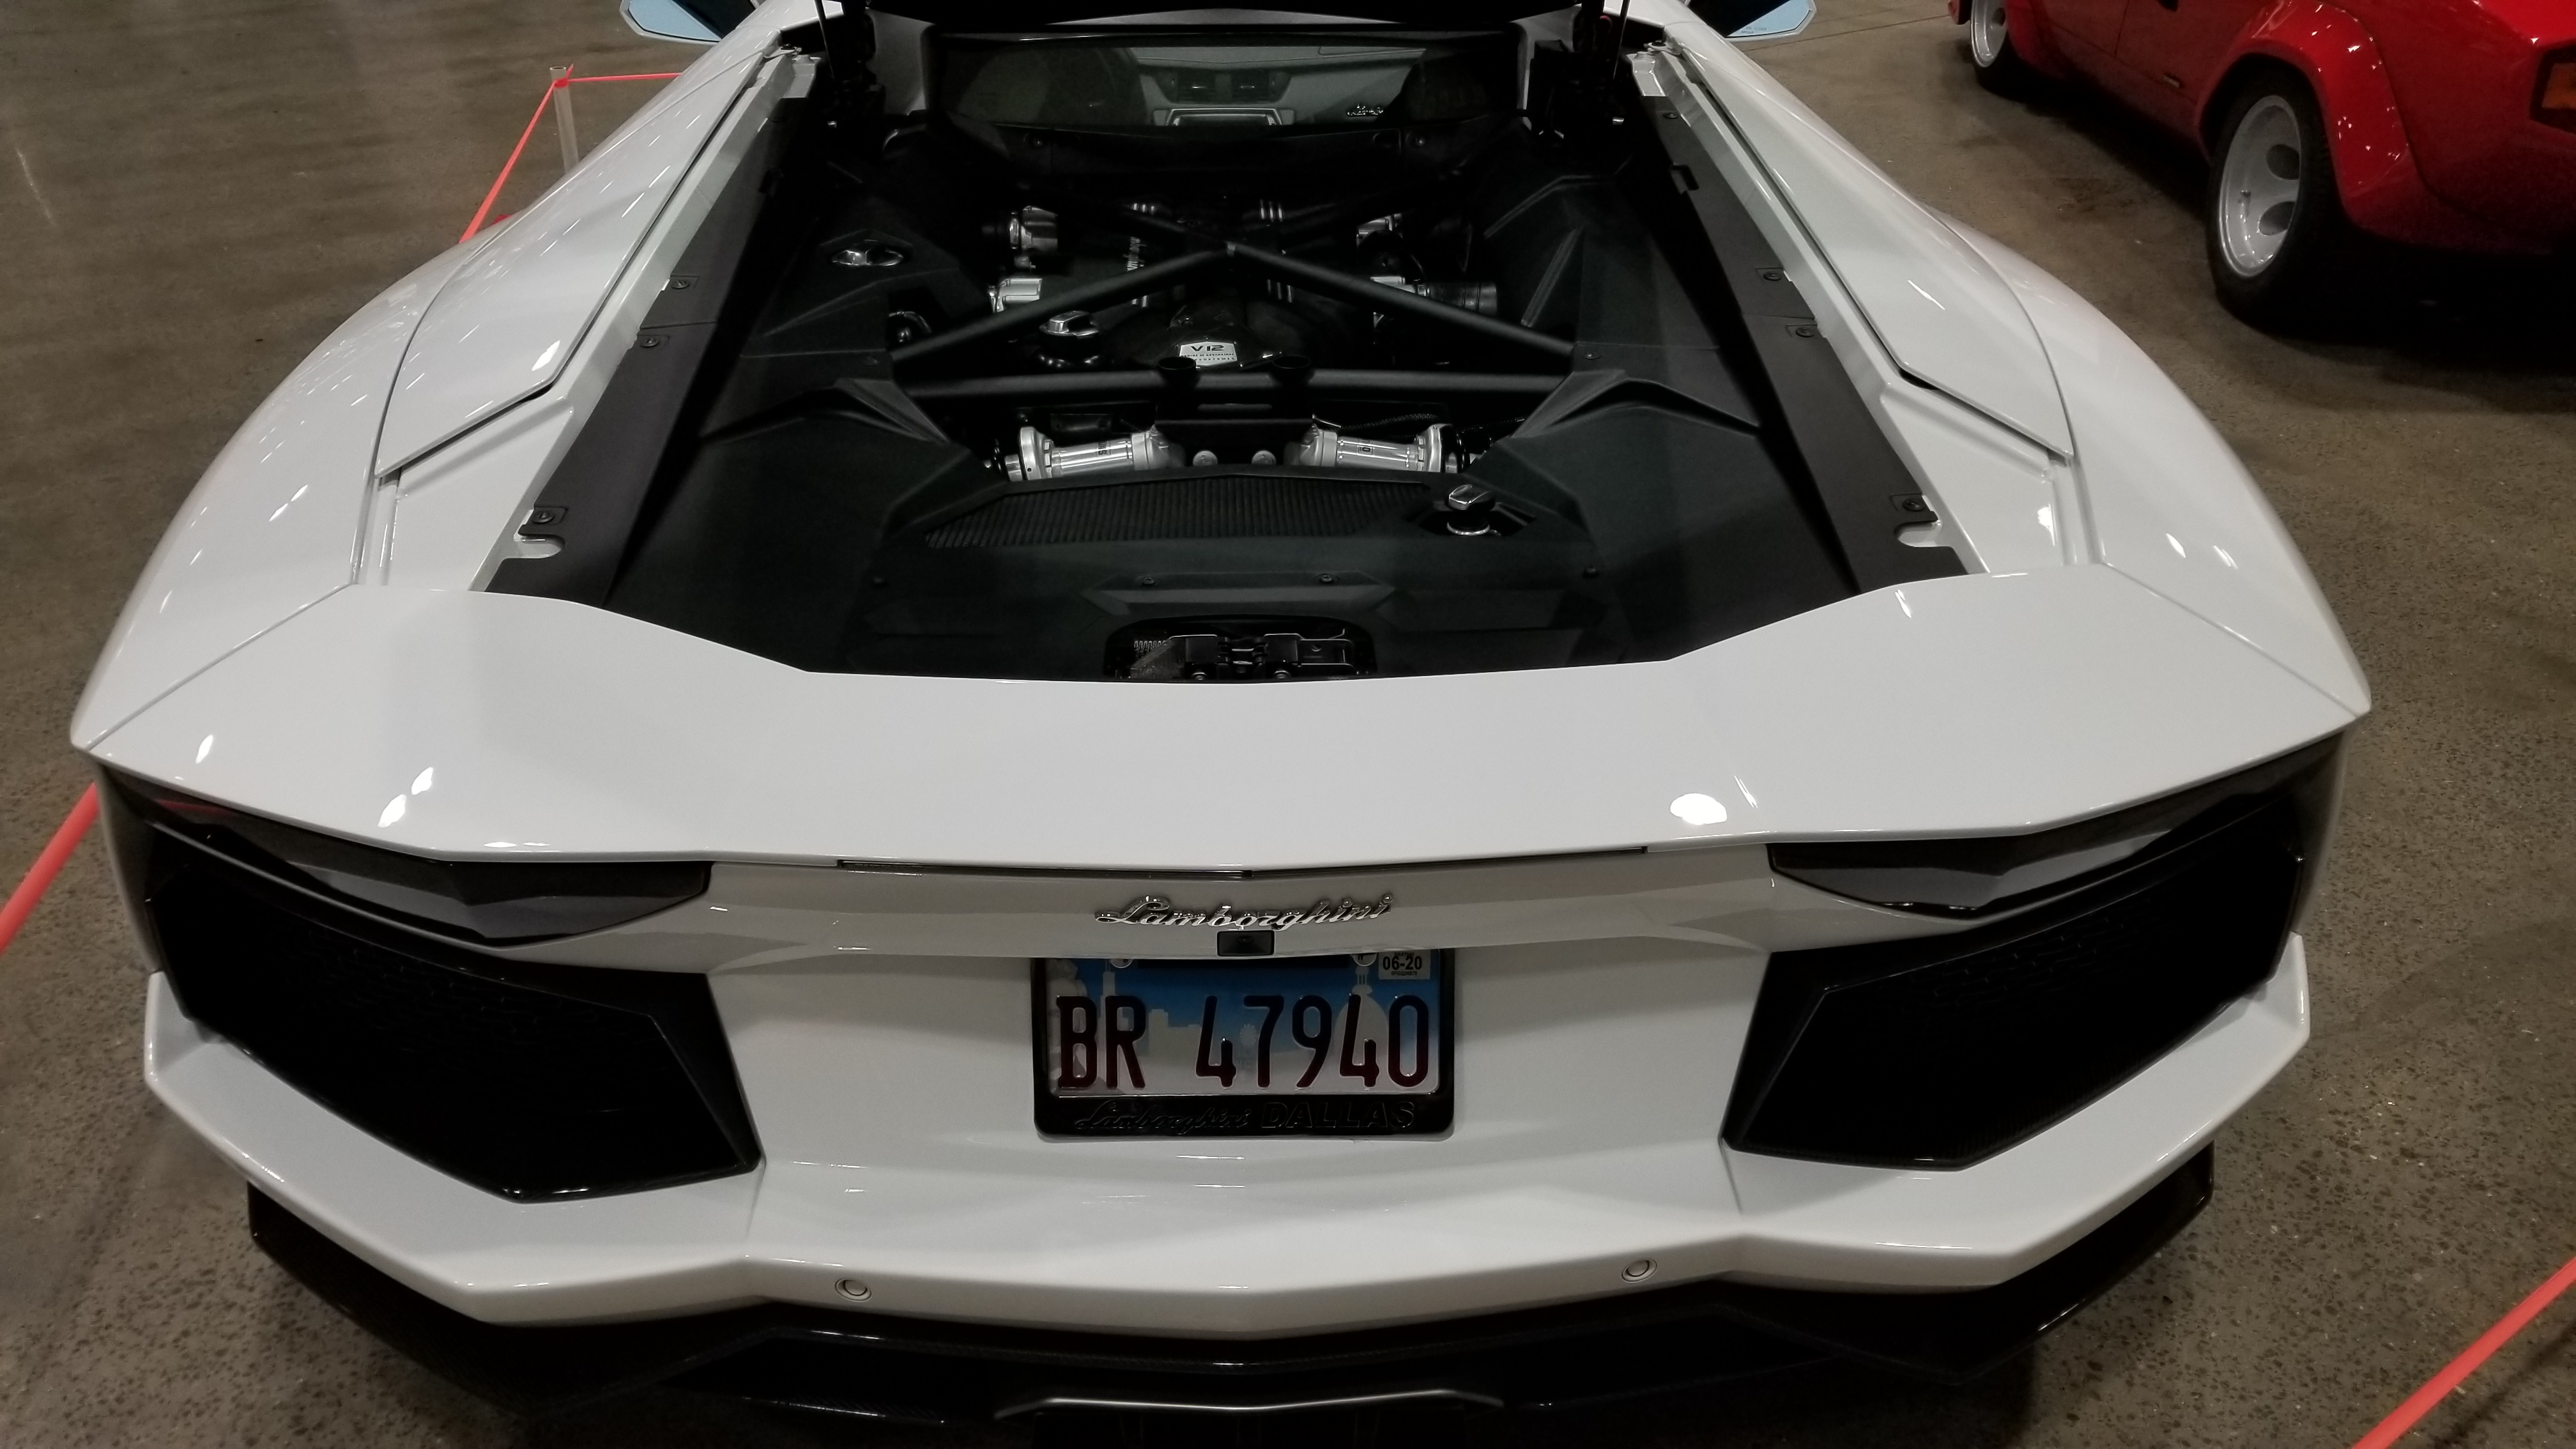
1071 339
1031 234
1322 447
1019 289
1039 456
1471 509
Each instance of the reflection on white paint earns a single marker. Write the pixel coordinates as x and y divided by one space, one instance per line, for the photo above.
421 782
1696 809
1905 603
2224 556
205 747
394 809
2179 550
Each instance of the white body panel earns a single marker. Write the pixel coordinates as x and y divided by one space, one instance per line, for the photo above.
964 1212
1934 302
310 644
1978 704
274 523
2171 505
505 325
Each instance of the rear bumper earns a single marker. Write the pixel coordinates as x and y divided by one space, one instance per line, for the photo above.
926 1369
1325 1237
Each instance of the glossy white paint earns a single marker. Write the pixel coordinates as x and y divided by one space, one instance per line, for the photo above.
765 915
506 323
1932 300
880 1015
1973 704
273 524
2171 505
453 505
1962 458
455 515
893 1100
1995 492
629 1255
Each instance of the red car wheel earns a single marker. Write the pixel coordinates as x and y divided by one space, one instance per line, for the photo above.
2276 229
2000 68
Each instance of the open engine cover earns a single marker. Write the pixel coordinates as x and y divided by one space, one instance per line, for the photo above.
1199 355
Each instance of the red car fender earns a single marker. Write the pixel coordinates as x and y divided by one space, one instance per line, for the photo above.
2036 38
2374 165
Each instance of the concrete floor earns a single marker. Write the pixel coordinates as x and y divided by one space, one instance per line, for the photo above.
195 193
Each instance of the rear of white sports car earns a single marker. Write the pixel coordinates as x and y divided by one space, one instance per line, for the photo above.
1024 712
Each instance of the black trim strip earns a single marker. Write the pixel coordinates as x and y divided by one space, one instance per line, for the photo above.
1867 492
589 506
1319 872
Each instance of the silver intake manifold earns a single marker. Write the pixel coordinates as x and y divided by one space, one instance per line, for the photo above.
1039 456
1322 447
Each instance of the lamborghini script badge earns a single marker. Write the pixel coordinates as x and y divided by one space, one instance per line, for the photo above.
1156 911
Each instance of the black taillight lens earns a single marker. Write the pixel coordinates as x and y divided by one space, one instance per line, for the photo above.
492 902
2553 100
1987 875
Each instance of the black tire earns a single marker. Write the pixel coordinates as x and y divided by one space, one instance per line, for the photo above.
2279 245
1999 65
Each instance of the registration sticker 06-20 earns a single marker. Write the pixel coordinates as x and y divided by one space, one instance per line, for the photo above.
1331 1046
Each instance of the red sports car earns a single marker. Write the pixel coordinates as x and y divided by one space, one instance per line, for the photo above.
2443 123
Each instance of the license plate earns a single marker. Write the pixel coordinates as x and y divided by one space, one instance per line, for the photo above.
1320 1046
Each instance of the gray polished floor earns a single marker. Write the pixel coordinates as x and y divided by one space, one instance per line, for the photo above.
193 194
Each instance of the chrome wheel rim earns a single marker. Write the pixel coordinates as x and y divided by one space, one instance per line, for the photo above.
2259 182
1986 34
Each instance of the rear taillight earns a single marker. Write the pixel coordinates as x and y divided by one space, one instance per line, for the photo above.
2553 102
493 902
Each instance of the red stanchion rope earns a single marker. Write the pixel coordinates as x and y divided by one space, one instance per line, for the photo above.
2422 1401
49 863
510 165
483 212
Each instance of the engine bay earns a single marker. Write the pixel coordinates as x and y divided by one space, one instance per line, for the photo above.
1200 356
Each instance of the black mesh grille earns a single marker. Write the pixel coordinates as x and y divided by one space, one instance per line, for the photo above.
1942 1051
528 1081
1226 506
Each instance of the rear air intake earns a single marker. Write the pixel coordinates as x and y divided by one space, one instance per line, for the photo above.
1941 1051
1248 505
530 1081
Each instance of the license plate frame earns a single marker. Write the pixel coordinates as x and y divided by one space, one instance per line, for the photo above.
1225 1112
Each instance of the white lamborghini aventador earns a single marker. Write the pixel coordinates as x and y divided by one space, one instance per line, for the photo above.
1031 706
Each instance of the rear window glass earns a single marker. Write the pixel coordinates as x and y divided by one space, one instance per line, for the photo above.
1237 80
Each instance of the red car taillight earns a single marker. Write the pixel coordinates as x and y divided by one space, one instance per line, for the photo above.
2554 102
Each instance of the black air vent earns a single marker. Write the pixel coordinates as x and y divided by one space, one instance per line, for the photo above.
529 1081
1245 505
1941 1051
